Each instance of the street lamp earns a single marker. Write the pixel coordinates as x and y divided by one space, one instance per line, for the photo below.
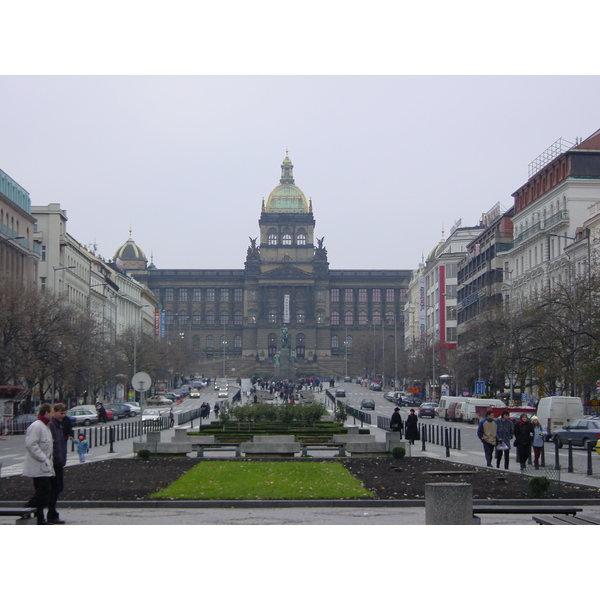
59 269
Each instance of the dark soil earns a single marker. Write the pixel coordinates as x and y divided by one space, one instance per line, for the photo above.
135 479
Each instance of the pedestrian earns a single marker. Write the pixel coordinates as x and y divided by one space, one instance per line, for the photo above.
411 429
396 422
539 436
82 447
171 417
59 458
216 409
506 431
101 414
523 439
38 462
487 432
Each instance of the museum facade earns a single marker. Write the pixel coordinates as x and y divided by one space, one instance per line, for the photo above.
237 314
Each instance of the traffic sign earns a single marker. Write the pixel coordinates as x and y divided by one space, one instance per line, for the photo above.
141 382
479 388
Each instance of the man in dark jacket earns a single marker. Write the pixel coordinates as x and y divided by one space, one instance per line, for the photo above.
59 454
396 422
523 439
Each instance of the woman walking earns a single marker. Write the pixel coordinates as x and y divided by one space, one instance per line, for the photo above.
411 429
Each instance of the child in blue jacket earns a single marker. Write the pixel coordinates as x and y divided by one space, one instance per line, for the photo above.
82 447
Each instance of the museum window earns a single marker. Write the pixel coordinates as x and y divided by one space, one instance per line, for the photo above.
237 317
335 342
224 317
210 341
319 295
169 295
376 295
287 237
320 316
376 318
349 295
389 318
349 318
196 342
224 295
362 318
300 317
335 295
252 295
300 345
168 317
196 318
272 345
183 295
210 317
335 318
197 295
272 237
210 294
238 295
237 341
362 295
301 237
272 318
252 316
389 295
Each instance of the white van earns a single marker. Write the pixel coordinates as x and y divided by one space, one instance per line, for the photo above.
474 409
555 412
444 403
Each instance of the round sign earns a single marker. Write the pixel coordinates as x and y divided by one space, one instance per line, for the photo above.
141 382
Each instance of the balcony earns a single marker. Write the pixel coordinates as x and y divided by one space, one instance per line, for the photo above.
542 227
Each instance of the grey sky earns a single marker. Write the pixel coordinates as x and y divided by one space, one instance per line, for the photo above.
185 161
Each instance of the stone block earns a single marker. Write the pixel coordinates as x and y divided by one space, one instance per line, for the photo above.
181 436
173 448
270 448
355 438
153 436
273 439
199 440
358 448
137 446
393 439
448 504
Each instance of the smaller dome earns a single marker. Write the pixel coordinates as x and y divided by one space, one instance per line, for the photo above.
129 251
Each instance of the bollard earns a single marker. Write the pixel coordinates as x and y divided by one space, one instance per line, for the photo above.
570 455
111 438
589 457
447 442
423 438
543 457
556 455
458 447
449 504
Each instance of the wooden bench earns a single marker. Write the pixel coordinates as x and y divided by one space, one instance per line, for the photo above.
564 520
341 446
25 515
525 510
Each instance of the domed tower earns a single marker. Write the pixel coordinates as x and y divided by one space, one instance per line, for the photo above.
130 256
287 225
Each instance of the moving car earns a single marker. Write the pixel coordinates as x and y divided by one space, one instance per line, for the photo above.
347 379
195 394
340 393
427 409
152 415
160 400
367 404
82 416
581 431
375 387
21 423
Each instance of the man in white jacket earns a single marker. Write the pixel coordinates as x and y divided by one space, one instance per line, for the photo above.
38 461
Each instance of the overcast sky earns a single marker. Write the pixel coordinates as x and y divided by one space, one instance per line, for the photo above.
389 161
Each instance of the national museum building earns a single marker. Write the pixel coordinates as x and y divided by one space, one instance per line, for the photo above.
238 314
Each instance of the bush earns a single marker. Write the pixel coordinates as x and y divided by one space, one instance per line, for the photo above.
144 454
538 486
399 452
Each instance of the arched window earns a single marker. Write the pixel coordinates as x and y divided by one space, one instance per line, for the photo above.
272 237
237 341
335 318
335 342
196 318
300 345
237 317
272 345
252 315
300 316
376 317
320 316
272 316
168 317
210 341
389 318
210 317
362 318
349 343
224 317
349 317
287 237
196 342
301 237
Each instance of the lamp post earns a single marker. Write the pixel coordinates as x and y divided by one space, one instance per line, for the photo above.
59 269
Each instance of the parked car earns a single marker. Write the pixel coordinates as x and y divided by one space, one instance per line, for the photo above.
21 423
161 400
134 407
340 393
581 431
117 410
172 396
367 404
110 415
375 387
82 416
427 409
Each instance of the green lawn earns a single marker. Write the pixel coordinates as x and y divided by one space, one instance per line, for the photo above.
227 480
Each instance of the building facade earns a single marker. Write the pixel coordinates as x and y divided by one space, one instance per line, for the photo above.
238 314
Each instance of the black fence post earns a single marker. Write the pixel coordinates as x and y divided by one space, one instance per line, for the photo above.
447 442
556 455
589 457
458 447
111 435
423 438
570 455
543 457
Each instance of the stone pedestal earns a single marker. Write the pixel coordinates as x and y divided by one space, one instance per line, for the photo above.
449 504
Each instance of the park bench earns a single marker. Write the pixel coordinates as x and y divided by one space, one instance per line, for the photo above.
525 510
216 446
564 520
25 515
341 447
